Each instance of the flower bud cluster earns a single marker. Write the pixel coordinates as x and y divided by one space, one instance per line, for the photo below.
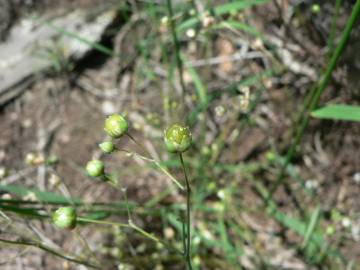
116 126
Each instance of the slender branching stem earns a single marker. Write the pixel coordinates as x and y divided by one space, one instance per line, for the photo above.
133 226
183 234
60 254
188 213
179 62
127 205
103 222
157 164
334 21
138 144
86 245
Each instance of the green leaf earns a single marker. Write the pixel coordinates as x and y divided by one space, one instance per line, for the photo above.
233 6
225 241
312 226
23 211
315 241
95 45
42 196
240 26
338 112
199 86
236 6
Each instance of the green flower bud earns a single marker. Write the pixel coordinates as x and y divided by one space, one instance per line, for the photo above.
330 230
177 138
116 125
271 156
65 218
315 8
107 147
95 168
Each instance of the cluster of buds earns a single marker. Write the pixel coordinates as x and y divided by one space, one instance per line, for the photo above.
116 126
177 139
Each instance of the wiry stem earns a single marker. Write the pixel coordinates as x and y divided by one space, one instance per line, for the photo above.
179 61
87 246
26 242
133 226
188 212
127 205
138 144
157 164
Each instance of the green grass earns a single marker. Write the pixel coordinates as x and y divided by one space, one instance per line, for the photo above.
338 112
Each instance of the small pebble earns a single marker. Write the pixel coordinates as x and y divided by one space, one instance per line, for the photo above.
108 107
346 222
356 178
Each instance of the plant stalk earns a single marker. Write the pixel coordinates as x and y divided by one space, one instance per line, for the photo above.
179 62
157 164
133 226
334 21
26 242
143 148
188 213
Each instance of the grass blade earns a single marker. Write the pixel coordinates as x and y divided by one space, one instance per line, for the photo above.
311 227
199 86
234 6
95 45
338 112
226 244
43 196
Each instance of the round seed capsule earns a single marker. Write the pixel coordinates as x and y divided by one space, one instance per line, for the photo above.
95 168
107 147
116 125
177 138
65 218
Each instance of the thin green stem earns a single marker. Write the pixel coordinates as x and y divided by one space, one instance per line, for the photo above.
334 20
188 212
86 245
25 242
148 235
179 62
103 222
183 235
127 205
138 144
4 216
157 164
111 183
154 238
131 225
314 99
